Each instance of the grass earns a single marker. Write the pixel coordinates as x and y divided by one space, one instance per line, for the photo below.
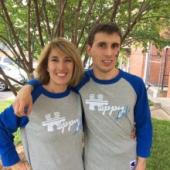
4 104
160 156
151 103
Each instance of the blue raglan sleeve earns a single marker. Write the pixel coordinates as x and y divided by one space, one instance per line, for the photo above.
9 123
142 115
34 82
143 122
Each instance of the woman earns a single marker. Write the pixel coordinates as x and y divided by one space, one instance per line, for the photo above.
52 134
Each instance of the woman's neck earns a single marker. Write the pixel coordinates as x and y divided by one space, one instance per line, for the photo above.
55 88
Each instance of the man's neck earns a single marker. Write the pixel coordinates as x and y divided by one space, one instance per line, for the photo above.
106 75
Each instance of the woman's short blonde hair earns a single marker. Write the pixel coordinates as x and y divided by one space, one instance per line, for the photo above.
67 48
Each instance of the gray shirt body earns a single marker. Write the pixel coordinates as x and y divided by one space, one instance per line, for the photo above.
53 136
109 117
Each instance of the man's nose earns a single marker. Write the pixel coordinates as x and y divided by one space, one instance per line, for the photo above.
109 51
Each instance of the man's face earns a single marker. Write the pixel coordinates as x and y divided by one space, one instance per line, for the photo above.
104 52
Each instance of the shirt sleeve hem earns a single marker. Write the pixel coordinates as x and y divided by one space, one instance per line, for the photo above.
10 158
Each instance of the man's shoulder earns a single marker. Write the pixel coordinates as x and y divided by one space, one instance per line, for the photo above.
135 81
131 77
84 80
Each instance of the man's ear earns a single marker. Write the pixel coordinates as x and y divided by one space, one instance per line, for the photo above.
88 50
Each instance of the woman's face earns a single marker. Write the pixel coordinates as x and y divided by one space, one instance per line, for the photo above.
60 68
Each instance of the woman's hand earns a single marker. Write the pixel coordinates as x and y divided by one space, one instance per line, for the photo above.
23 102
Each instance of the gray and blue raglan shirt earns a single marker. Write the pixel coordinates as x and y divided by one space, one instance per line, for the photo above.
112 109
51 134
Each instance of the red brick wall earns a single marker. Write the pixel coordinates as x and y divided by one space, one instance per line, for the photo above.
168 93
156 65
136 62
167 66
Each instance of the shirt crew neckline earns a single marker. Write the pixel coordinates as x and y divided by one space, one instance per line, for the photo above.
110 81
55 95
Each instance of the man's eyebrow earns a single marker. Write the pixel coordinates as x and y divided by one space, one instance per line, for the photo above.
101 42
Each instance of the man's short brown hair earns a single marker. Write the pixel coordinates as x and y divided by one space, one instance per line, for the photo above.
108 28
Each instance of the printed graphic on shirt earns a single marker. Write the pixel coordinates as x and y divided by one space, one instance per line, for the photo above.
133 165
99 104
54 121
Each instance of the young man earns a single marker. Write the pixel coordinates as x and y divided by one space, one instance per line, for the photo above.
114 103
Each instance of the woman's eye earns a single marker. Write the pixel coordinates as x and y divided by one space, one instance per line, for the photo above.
68 60
54 60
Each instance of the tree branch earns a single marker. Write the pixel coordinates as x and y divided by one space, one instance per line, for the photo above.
129 12
10 46
29 38
56 31
7 81
115 9
86 20
83 47
38 23
14 52
46 18
75 28
144 7
12 30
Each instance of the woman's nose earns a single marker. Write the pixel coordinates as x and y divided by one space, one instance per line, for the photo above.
61 65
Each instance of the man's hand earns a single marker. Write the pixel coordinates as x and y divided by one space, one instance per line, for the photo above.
133 133
141 163
21 166
23 102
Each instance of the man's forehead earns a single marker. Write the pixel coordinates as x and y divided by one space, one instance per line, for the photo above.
108 38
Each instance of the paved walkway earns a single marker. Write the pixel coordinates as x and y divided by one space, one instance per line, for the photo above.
161 108
6 95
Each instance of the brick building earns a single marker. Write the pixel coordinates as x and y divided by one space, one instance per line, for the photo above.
153 66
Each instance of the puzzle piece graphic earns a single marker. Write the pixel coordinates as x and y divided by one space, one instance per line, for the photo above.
51 122
95 102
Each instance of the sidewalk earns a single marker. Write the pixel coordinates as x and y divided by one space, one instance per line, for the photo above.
161 108
6 95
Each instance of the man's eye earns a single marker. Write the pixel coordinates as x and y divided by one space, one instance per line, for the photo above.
115 45
103 45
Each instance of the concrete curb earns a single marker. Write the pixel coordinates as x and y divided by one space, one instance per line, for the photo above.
161 108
